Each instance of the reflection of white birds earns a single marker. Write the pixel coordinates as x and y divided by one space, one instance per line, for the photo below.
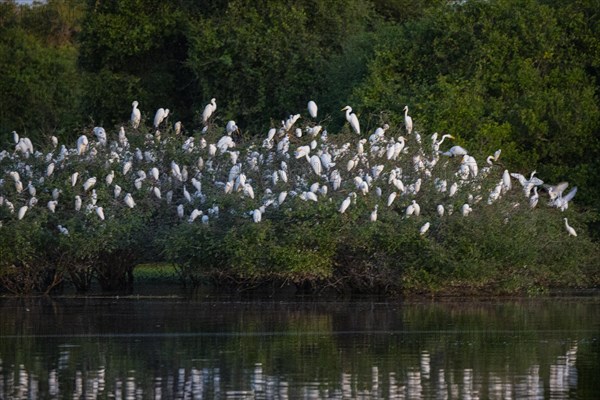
570 228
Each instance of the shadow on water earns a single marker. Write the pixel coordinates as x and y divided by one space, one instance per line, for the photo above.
204 346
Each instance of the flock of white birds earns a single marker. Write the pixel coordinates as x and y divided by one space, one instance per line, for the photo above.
191 175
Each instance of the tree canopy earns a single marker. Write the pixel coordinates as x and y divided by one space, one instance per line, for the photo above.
517 75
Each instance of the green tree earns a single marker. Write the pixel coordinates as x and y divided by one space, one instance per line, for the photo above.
267 59
40 83
506 74
134 50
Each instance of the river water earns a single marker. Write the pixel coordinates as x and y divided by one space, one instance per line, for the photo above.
207 348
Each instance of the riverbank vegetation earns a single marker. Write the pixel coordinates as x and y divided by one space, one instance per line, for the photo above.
516 76
255 213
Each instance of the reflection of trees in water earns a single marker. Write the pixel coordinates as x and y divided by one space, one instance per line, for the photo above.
423 379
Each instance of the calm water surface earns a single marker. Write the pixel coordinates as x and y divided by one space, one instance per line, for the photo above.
178 348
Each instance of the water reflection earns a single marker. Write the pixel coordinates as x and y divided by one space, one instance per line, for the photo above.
149 349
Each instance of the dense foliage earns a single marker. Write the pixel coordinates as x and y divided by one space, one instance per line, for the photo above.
217 214
520 76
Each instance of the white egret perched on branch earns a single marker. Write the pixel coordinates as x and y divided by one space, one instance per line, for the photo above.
346 203
22 212
136 115
379 133
352 119
436 143
82 144
129 200
533 200
231 127
160 116
408 122
373 216
50 169
256 215
527 184
209 109
491 159
455 151
312 109
570 228
562 202
557 190
78 203
89 183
